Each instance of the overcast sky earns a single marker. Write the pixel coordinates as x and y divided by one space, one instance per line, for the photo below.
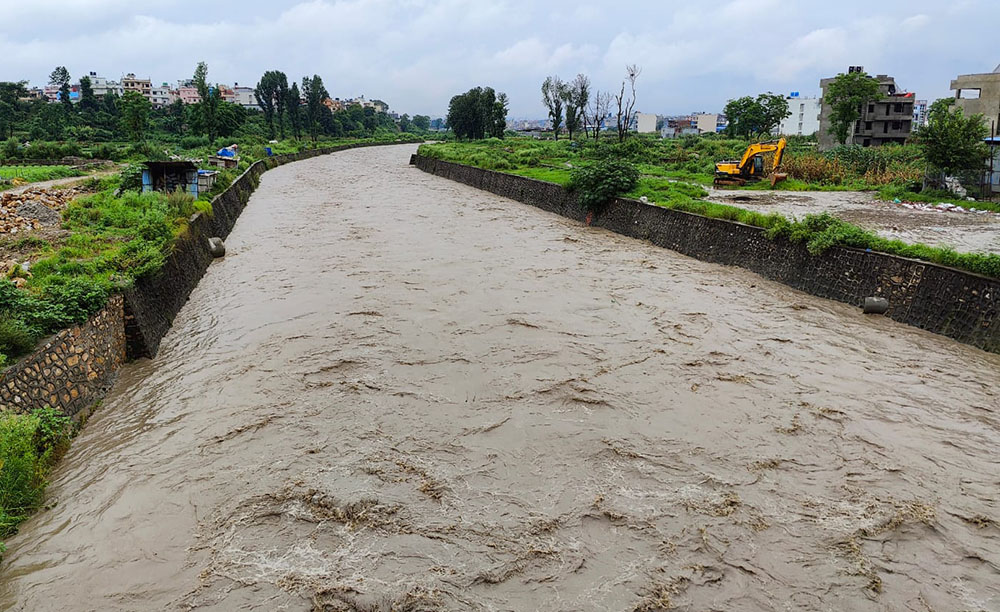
416 54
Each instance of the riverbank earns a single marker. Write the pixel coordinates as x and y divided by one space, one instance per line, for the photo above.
74 368
478 404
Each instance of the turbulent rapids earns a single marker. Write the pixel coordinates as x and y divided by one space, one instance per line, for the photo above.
397 392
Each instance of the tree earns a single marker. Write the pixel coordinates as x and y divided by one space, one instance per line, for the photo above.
953 143
88 102
174 122
10 94
405 123
845 95
210 100
626 101
749 117
576 95
553 95
266 93
599 111
422 122
59 77
314 93
478 113
281 99
294 111
135 115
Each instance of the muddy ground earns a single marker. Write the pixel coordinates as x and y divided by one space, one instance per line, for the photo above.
400 393
967 232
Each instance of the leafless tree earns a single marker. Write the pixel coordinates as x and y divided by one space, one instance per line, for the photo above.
626 102
598 110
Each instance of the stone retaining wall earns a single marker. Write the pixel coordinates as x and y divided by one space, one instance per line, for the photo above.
75 368
70 370
951 302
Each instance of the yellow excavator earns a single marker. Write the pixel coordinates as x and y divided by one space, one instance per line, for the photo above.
753 166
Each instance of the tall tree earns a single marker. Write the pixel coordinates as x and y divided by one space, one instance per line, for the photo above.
266 93
553 95
314 93
10 95
845 96
88 102
598 112
281 99
135 115
294 110
576 95
953 143
210 100
59 77
626 101
478 113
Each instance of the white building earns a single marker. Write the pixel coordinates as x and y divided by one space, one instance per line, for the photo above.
645 123
245 97
804 117
707 122
920 110
160 97
101 85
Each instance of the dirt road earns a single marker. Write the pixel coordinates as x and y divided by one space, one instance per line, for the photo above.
397 392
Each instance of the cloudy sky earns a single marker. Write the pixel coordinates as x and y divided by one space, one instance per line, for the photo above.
415 54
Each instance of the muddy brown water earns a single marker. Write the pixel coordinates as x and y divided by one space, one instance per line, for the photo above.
398 392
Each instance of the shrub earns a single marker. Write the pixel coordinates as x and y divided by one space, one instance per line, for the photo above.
130 178
599 183
15 337
29 445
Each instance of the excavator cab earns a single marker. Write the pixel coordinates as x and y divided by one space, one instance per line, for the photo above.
753 166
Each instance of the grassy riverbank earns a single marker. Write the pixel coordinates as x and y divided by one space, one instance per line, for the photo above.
673 175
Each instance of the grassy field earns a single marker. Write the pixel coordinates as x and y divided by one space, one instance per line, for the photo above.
673 175
35 174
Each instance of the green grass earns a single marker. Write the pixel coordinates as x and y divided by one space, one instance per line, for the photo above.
114 239
35 174
29 446
674 174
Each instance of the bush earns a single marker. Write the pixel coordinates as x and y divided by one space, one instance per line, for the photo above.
29 445
16 338
130 178
597 184
194 142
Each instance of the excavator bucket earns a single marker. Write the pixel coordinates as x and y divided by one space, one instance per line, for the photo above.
777 177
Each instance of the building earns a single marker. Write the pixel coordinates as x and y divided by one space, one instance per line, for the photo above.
707 123
920 110
645 123
804 117
188 95
102 86
161 97
334 104
885 121
979 94
245 97
143 87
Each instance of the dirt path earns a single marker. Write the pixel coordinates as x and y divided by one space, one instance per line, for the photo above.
59 182
397 392
963 232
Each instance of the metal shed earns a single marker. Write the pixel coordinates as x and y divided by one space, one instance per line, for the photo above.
169 176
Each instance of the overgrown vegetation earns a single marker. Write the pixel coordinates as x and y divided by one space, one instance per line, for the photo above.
29 446
34 174
671 174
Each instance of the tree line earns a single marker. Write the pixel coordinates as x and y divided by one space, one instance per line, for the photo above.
295 109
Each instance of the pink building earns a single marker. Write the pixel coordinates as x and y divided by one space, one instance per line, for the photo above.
188 95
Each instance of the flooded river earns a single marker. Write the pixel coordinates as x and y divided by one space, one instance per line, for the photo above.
400 393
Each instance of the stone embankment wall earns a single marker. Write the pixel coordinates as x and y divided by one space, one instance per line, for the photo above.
75 368
72 368
942 300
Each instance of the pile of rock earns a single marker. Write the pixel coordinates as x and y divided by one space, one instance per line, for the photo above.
33 208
